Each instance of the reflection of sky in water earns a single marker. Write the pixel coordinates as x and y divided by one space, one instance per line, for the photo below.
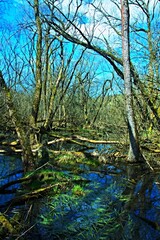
103 197
138 187
155 195
103 190
147 192
9 165
153 213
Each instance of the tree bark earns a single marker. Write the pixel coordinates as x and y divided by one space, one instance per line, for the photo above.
134 150
23 133
38 73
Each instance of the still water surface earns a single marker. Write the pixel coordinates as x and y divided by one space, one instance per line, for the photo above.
121 202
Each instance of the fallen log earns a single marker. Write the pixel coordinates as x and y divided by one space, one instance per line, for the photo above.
4 187
151 150
96 141
12 146
20 200
83 139
68 139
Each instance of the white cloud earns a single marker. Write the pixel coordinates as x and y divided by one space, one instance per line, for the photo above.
96 25
97 22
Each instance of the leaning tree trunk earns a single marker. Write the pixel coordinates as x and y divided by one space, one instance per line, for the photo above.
134 150
23 133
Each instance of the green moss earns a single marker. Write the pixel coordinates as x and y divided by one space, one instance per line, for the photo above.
6 227
78 190
74 161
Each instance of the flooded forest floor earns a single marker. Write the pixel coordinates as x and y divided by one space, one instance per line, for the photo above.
82 188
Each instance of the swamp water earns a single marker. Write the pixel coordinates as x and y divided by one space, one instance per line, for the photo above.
119 202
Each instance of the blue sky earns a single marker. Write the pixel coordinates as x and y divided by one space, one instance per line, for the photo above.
12 13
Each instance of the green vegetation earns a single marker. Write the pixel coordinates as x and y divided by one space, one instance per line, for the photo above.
79 89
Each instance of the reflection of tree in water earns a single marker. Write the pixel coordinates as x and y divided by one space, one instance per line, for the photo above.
143 202
117 203
10 170
119 207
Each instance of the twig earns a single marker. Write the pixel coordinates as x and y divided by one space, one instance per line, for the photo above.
25 232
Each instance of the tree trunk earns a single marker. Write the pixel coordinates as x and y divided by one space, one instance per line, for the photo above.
38 74
113 59
23 133
134 151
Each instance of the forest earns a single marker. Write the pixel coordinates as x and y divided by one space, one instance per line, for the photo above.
80 119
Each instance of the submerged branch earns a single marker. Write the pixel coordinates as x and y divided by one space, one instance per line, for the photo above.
75 139
20 200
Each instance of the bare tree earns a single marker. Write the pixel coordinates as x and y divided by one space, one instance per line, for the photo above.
23 132
145 32
74 33
38 74
43 66
134 151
